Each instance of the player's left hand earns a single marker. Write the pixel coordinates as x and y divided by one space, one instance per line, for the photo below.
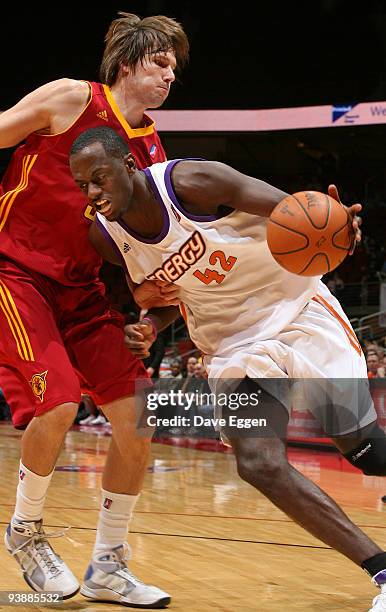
139 337
156 294
353 211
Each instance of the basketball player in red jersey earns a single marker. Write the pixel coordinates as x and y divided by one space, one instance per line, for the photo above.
57 330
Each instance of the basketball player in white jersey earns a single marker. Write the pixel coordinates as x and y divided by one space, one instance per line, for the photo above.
201 225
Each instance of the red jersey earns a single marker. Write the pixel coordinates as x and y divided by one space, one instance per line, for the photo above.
44 217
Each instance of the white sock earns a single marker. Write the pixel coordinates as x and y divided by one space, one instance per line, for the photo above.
114 517
30 495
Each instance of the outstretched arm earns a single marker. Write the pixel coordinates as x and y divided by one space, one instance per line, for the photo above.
206 185
103 246
203 186
50 109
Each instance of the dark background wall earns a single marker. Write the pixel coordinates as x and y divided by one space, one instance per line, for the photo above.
260 54
243 55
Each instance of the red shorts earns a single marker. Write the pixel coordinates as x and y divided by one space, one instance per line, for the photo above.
55 340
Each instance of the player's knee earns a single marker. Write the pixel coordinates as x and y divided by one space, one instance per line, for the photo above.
61 417
370 455
262 472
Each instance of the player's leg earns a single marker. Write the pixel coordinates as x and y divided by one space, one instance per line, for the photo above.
349 418
365 449
262 462
110 372
123 415
51 427
42 392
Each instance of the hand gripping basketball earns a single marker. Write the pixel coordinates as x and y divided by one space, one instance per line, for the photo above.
310 233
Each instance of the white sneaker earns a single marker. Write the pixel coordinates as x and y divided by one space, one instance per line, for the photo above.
379 602
43 569
109 579
98 420
87 420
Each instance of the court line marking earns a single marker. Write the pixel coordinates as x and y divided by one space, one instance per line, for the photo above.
237 518
212 516
196 537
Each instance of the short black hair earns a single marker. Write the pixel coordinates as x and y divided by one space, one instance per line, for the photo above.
111 141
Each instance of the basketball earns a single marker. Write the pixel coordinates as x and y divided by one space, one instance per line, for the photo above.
309 233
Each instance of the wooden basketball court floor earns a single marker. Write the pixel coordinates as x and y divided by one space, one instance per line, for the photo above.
200 533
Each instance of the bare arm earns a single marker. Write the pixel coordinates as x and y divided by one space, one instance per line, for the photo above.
103 246
148 294
50 109
205 185
163 317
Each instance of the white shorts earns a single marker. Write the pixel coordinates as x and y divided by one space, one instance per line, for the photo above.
321 356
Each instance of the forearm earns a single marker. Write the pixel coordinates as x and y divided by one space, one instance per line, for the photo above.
157 357
163 317
257 197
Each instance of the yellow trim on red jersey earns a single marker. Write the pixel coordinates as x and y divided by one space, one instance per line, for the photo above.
8 198
131 132
15 323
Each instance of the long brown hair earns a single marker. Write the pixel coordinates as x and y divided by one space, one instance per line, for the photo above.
130 39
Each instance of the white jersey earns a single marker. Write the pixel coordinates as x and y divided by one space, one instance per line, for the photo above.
233 291
247 314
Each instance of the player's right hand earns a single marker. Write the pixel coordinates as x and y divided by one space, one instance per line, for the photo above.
156 294
139 337
353 211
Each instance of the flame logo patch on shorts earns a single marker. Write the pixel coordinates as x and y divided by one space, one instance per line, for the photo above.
39 385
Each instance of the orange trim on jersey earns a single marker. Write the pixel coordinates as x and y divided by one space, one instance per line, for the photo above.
15 323
131 132
8 198
349 331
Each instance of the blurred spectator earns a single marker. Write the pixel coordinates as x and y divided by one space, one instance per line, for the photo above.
373 347
197 381
374 367
176 369
190 365
173 381
370 345
335 284
196 388
199 371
